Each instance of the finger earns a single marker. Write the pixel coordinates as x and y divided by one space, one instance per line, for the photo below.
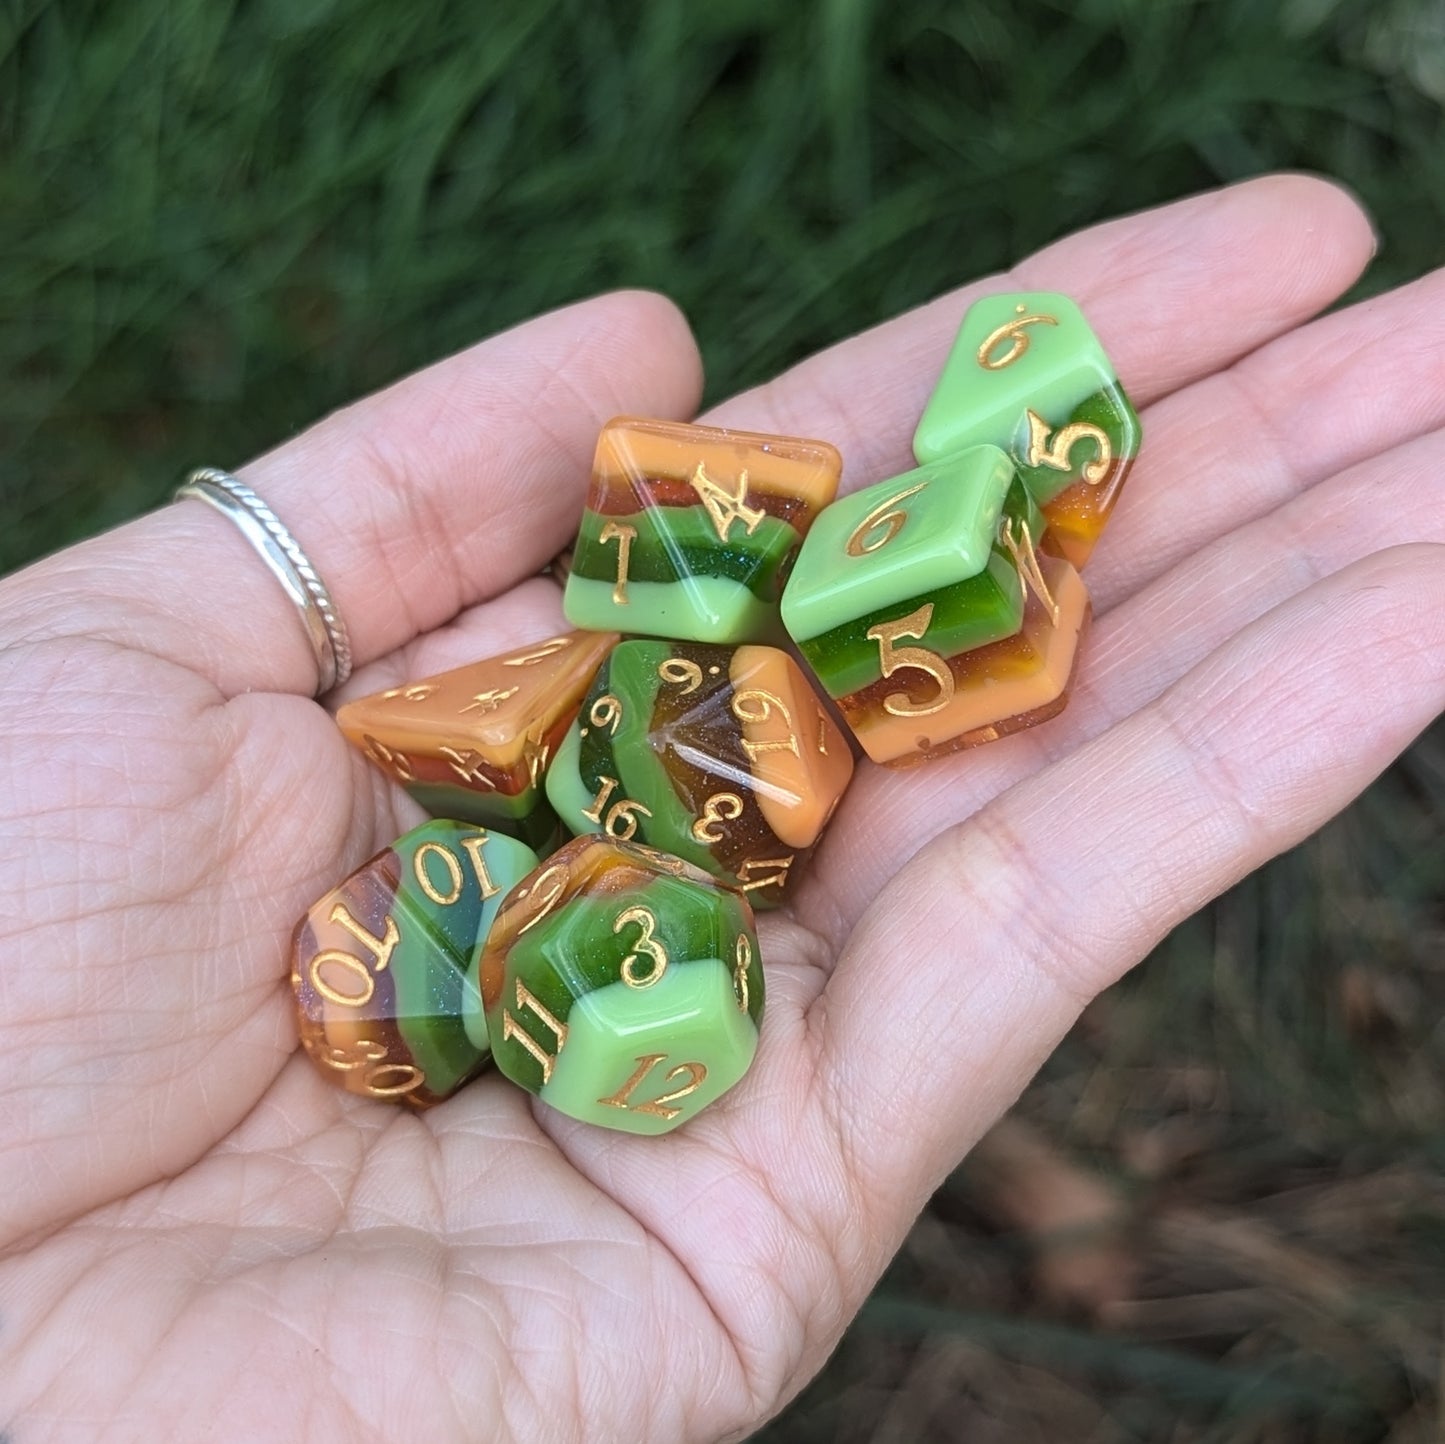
445 489
967 972
1173 293
1133 653
1239 443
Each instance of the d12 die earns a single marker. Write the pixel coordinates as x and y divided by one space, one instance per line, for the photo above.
689 531
723 756
474 742
379 964
927 613
1028 375
621 986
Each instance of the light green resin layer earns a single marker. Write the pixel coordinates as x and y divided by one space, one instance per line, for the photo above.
680 541
947 536
577 950
690 1016
1062 366
428 966
697 609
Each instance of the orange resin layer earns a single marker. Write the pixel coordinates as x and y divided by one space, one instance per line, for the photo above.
801 762
1079 513
491 726
998 689
631 449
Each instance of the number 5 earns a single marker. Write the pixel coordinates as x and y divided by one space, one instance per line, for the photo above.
915 624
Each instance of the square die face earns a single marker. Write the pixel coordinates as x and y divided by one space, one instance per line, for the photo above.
929 528
689 531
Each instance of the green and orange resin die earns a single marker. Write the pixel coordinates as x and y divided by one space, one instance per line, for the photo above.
474 743
621 986
1028 375
928 613
723 756
689 531
379 964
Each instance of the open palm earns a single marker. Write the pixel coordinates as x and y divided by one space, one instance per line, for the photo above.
201 1237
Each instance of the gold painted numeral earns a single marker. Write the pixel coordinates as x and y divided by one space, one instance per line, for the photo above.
535 756
606 712
548 648
424 879
624 535
885 515
512 1029
1042 452
725 507
407 1077
370 1056
893 659
662 1105
354 1055
397 763
755 705
646 944
742 961
681 673
549 888
758 872
1018 338
468 764
473 846
1021 548
620 820
720 807
489 701
380 948
417 692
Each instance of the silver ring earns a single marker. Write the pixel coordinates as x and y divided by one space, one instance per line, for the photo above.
288 564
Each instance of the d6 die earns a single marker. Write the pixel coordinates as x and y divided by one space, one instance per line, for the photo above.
927 613
474 742
621 986
723 756
689 531
379 964
1028 375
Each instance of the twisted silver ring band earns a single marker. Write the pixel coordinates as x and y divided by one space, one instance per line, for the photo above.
288 564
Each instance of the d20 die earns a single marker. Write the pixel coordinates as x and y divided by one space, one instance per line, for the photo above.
379 964
474 743
622 986
689 531
723 756
943 557
1028 375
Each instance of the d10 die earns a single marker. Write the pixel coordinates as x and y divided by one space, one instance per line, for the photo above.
621 986
1028 375
927 613
689 531
474 742
723 756
379 964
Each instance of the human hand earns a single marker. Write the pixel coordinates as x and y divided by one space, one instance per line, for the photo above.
202 1237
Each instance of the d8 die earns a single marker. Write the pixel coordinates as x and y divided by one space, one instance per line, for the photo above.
723 756
379 964
1028 375
474 742
621 986
689 531
927 613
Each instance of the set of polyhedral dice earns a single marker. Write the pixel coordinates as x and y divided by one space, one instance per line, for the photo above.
697 762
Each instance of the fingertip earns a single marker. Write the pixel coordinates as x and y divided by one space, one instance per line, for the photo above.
636 321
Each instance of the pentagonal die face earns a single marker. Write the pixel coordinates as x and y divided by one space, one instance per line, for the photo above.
622 987
723 756
379 963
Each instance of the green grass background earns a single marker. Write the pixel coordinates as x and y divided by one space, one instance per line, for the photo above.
220 218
